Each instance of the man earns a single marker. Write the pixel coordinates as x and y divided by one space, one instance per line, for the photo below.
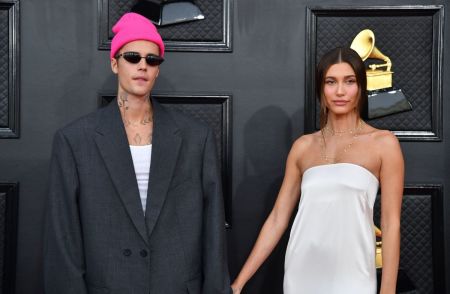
135 201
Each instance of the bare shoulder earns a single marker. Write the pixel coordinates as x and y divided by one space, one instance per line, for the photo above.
303 150
296 157
385 138
379 136
386 143
304 142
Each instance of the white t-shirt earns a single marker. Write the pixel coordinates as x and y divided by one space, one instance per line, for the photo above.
142 157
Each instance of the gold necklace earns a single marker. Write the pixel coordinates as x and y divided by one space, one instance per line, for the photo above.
354 132
333 132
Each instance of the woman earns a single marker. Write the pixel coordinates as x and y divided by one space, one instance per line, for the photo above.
338 171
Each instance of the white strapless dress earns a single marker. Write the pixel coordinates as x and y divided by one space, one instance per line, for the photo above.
331 248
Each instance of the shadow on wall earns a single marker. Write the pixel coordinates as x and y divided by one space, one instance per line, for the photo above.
266 144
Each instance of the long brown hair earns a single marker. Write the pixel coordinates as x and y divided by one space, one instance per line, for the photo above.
335 56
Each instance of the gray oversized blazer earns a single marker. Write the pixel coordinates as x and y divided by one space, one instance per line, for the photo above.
97 238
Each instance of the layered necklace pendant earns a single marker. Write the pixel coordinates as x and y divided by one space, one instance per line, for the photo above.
354 133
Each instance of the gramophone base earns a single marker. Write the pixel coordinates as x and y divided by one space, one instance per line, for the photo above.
383 103
378 79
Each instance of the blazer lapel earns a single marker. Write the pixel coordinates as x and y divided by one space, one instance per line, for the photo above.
165 148
113 146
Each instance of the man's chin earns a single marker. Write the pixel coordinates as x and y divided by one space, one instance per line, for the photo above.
142 93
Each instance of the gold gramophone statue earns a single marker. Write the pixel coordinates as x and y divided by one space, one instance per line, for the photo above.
379 76
383 98
404 283
378 251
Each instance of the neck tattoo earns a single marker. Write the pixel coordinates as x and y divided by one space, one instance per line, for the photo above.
123 101
124 107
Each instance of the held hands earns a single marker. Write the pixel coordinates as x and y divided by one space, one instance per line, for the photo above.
236 290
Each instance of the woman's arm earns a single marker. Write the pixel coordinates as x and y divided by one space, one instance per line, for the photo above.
391 180
278 220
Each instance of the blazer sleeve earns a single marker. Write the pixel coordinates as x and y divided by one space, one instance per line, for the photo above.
215 268
64 266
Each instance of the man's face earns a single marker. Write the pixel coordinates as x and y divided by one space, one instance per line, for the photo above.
136 79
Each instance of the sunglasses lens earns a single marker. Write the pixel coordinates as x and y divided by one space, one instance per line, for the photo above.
134 57
153 60
131 57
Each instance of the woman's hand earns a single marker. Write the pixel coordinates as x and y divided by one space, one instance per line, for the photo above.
236 290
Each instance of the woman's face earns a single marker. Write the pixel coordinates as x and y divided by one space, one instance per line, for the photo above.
341 89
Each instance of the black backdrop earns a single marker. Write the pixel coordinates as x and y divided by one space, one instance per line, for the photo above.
60 73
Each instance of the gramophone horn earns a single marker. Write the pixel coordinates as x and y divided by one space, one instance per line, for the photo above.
364 45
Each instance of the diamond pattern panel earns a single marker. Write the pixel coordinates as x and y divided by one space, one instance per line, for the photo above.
2 236
416 256
4 68
407 41
208 29
210 114
212 111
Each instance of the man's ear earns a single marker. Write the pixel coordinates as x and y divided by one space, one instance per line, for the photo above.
114 65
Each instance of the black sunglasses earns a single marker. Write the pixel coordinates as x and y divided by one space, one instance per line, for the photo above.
134 57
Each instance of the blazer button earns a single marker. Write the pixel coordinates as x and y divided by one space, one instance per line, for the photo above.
126 252
143 253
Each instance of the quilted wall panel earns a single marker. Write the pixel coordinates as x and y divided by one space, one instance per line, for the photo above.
214 111
9 69
421 255
410 38
4 69
2 235
8 236
209 34
209 29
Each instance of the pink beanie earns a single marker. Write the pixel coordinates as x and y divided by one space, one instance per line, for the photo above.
131 27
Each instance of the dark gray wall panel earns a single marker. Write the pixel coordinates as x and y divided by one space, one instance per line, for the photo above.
213 33
9 194
62 72
411 36
9 69
422 252
213 110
